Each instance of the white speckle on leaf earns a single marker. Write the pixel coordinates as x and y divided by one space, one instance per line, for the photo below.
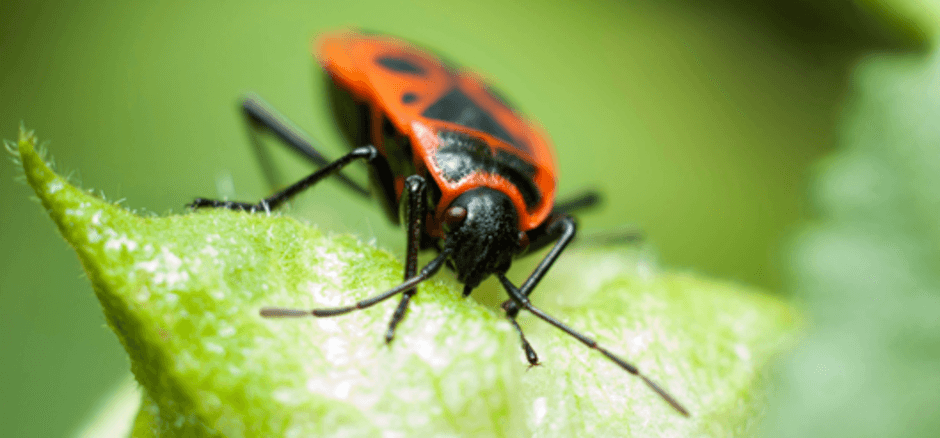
321 295
214 348
287 396
166 267
210 251
336 350
150 266
539 409
329 325
317 386
143 295
96 218
121 242
427 351
226 331
54 186
330 264
742 352
640 341
171 260
342 390
236 370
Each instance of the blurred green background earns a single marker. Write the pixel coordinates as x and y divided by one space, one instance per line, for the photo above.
697 120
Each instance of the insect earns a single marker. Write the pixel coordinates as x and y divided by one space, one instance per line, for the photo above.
470 177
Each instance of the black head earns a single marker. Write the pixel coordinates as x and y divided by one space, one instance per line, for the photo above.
481 229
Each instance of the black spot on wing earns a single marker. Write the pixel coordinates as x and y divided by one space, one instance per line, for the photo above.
460 155
516 163
369 32
409 97
457 107
520 174
400 65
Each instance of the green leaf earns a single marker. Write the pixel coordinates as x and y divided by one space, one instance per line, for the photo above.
870 272
183 292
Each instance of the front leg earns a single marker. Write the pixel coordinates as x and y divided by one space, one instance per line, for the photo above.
367 153
561 228
530 354
416 190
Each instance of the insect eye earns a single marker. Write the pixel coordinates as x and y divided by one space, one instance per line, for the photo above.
523 241
454 216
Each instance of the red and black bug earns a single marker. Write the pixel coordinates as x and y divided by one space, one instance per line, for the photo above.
473 179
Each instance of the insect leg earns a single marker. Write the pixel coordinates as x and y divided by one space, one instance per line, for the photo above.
368 153
521 298
561 229
416 187
558 229
588 199
625 235
262 114
530 354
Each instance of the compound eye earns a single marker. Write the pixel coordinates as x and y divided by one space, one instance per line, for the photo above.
454 216
523 241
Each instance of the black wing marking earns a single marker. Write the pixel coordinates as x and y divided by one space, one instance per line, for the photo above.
456 107
400 65
459 155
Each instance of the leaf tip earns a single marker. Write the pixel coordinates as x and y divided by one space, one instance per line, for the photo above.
38 172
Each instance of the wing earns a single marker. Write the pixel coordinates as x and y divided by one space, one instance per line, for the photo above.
413 87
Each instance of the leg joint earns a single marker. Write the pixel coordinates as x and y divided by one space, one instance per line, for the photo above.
368 152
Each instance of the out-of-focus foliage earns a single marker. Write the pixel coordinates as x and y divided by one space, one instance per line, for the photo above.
870 272
920 16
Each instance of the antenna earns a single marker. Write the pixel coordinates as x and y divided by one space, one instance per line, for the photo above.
426 272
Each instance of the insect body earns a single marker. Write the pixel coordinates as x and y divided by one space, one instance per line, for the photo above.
451 160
